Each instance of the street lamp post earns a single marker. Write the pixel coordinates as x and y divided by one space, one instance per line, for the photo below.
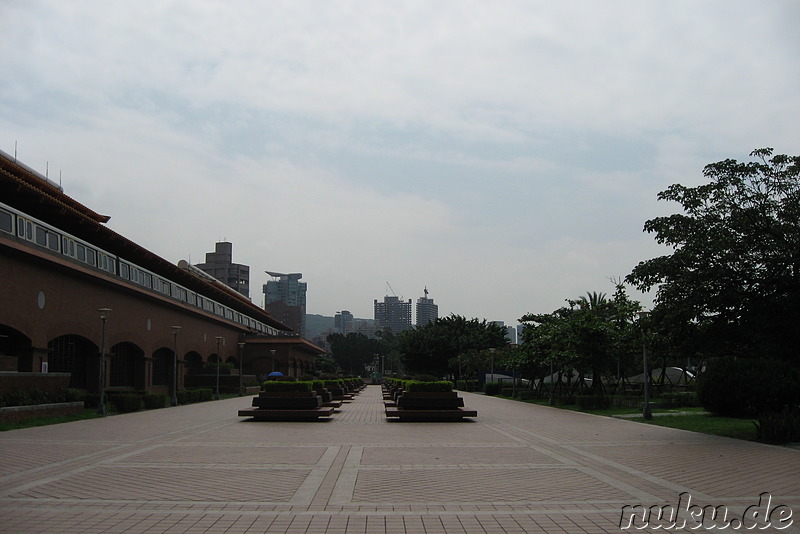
241 366
646 412
219 342
101 409
491 351
175 331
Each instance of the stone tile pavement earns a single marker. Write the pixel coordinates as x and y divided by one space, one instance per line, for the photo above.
516 468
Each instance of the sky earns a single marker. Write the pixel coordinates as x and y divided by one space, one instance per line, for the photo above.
503 154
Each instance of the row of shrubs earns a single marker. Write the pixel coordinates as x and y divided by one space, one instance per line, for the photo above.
21 397
419 385
133 401
291 384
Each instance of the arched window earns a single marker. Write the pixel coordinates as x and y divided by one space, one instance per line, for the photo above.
162 367
73 354
124 359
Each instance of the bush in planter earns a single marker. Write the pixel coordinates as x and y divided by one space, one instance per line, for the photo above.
183 397
413 386
285 379
317 384
424 378
126 402
154 400
288 386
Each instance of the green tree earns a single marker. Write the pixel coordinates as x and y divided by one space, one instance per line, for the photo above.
352 352
732 282
430 348
592 334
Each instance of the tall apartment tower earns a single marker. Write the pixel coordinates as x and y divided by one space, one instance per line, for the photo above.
427 311
343 322
285 299
393 314
219 264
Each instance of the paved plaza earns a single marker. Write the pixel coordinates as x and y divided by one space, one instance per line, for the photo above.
516 468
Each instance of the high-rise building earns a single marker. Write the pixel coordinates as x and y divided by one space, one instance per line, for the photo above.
427 311
511 334
393 314
219 264
343 322
285 299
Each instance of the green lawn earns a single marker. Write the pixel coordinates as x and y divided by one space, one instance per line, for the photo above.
696 421
43 421
709 424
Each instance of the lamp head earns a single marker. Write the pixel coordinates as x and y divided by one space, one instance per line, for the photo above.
104 313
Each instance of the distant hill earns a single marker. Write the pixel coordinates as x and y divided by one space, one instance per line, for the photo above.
317 324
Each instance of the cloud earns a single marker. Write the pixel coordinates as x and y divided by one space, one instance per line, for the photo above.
506 154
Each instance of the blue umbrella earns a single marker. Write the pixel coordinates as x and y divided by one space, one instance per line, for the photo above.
275 373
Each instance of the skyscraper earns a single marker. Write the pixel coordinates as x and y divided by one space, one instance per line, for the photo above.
427 311
285 299
343 322
219 265
393 314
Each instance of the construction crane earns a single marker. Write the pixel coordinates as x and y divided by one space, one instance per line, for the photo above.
390 288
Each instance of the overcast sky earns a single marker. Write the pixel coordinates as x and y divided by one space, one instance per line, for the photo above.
505 154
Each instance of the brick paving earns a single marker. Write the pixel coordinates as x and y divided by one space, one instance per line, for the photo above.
516 468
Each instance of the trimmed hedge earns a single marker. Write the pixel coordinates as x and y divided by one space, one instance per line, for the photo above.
188 396
153 401
126 402
491 388
288 386
21 397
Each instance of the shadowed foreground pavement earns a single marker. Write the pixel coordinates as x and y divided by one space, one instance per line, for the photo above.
515 468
